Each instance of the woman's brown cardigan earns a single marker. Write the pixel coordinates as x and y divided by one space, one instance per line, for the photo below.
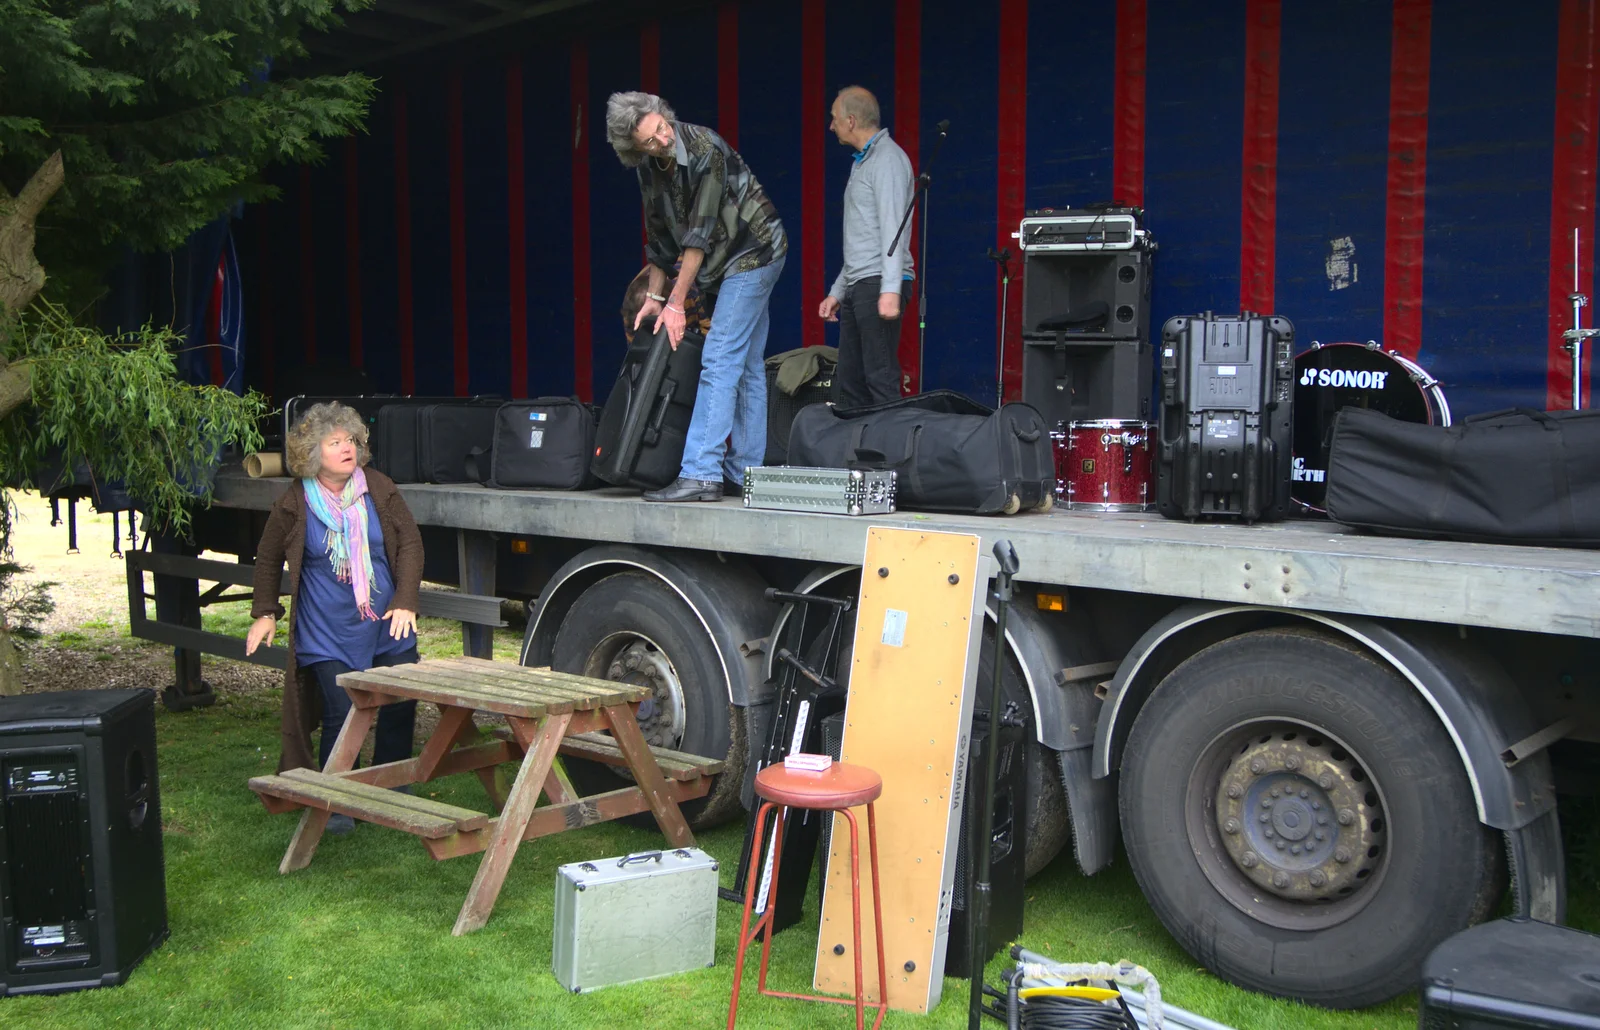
284 540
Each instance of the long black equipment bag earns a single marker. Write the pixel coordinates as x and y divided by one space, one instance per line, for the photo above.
948 452
454 441
1227 419
394 442
645 421
547 443
1515 476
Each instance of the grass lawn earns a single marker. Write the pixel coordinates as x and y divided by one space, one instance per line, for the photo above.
362 937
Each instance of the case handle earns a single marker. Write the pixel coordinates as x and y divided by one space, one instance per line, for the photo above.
638 856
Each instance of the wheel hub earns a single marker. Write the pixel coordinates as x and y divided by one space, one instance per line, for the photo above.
1297 822
661 715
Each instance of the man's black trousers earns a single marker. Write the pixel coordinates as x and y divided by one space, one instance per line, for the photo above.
869 348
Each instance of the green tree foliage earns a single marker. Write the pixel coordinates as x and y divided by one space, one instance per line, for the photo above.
164 114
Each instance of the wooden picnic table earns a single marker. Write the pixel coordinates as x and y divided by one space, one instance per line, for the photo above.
548 713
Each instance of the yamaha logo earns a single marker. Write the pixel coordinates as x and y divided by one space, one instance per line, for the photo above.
1343 377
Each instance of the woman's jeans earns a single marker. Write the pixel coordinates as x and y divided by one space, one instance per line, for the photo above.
396 722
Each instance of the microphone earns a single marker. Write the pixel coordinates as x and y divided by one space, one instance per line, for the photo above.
943 126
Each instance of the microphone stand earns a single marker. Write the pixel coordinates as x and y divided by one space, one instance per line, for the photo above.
920 188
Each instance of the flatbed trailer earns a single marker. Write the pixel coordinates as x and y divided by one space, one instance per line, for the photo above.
1323 751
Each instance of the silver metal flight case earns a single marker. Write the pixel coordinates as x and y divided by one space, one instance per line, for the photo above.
829 491
649 914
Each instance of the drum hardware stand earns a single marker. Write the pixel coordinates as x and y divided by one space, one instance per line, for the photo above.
1577 334
982 848
1003 259
920 188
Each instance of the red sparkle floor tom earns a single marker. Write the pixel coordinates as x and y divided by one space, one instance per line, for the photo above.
1106 464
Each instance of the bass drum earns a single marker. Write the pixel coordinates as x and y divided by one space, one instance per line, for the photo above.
1331 376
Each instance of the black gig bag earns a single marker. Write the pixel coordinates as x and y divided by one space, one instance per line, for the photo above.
546 443
1518 476
393 440
645 420
949 452
454 441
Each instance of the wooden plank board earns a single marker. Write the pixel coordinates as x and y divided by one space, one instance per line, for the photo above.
591 693
458 697
678 765
907 717
486 686
333 797
464 818
547 675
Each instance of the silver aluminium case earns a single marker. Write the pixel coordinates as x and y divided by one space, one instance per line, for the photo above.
649 914
827 491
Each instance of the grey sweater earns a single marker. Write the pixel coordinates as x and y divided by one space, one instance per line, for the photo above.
874 202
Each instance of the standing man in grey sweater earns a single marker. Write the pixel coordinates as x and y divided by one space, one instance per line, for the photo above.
865 298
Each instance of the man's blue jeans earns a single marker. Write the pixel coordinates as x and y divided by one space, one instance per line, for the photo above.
732 400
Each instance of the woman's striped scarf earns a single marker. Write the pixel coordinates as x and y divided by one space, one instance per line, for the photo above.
345 515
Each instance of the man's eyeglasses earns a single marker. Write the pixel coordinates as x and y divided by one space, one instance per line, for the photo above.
658 140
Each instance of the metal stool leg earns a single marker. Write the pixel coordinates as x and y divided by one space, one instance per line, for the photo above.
855 914
877 917
770 914
749 904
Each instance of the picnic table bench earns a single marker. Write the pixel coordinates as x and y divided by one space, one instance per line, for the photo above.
547 713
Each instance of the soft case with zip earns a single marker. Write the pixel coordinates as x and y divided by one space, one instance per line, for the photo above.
545 443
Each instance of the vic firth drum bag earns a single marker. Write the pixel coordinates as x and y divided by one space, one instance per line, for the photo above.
1516 476
949 452
544 443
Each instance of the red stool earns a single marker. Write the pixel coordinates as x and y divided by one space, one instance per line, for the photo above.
839 789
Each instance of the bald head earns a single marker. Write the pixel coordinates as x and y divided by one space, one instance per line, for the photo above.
855 116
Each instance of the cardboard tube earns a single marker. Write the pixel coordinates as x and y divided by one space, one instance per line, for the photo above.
263 463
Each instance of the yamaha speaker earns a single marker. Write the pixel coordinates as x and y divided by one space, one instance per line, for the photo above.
1073 381
1086 295
1008 841
82 880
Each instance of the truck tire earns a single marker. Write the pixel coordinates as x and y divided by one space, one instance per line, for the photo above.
633 628
1300 820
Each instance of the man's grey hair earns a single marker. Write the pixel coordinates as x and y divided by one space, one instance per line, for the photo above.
858 102
624 112
302 449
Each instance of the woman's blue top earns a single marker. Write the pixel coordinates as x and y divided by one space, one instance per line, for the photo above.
327 625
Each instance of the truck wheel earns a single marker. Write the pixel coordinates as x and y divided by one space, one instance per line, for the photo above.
1300 821
633 628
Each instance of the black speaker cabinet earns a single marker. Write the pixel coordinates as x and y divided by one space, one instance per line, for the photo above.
1069 381
1087 294
1009 844
83 894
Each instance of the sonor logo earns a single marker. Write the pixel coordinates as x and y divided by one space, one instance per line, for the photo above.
1343 377
1301 474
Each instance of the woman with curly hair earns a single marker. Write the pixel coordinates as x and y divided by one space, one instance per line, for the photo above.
353 551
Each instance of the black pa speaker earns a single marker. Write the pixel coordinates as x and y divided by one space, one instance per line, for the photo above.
83 893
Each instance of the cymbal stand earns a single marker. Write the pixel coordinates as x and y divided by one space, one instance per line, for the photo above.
1577 334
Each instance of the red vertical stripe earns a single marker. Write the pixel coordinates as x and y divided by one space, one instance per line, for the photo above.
308 269
458 233
1259 219
908 133
728 72
352 249
650 56
265 301
214 325
1012 132
813 109
402 243
1408 176
580 119
516 225
1127 145
1572 193
650 82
